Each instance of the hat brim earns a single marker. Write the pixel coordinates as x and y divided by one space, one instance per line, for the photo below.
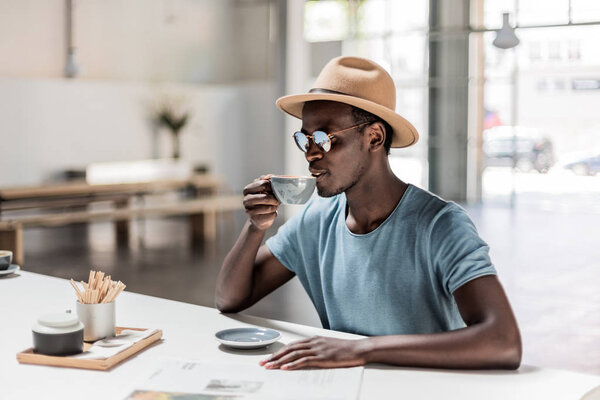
404 133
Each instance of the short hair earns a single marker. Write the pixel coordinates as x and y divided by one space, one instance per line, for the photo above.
361 116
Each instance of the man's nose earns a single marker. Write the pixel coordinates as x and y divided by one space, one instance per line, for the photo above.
313 152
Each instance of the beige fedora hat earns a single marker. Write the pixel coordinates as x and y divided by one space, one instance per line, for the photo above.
361 83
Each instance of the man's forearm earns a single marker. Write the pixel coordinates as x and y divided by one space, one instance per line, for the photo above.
234 282
478 346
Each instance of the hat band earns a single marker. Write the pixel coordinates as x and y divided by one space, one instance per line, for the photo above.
319 90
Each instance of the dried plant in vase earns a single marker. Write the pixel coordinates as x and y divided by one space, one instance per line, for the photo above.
174 120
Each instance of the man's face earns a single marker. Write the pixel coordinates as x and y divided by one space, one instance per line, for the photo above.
341 168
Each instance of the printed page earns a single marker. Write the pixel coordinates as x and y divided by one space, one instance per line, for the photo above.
202 380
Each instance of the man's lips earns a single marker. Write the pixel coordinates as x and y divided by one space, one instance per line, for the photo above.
317 173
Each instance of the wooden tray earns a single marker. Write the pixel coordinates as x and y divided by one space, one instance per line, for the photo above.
29 357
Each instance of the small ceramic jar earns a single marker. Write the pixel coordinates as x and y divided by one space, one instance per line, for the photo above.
58 334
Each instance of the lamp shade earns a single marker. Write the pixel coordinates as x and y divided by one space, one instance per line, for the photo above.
506 38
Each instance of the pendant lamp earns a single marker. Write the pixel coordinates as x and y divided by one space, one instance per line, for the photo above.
506 38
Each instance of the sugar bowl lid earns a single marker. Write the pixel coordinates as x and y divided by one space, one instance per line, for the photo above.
57 323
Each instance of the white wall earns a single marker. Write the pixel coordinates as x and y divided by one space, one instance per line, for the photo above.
216 54
191 41
47 126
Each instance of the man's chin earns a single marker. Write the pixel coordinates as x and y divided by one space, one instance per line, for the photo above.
326 192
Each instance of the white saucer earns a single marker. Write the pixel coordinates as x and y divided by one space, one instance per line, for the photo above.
10 270
247 338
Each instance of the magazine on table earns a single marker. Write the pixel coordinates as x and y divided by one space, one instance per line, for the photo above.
209 380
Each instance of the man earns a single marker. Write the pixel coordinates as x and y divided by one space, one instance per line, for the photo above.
377 256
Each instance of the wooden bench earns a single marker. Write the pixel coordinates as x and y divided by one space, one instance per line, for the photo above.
72 197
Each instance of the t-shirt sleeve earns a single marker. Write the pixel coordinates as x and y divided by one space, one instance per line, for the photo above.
459 255
284 245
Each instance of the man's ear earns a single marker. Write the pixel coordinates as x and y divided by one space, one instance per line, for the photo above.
376 136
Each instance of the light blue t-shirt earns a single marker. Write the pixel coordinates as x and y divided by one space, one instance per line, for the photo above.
397 279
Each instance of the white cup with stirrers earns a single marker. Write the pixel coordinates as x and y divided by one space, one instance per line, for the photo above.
96 306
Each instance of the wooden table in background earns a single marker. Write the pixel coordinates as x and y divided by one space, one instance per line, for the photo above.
202 207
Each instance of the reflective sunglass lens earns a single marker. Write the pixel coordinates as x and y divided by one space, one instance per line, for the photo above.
301 141
322 140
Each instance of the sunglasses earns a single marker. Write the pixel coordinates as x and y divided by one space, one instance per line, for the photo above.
322 139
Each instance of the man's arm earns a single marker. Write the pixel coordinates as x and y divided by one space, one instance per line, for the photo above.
491 340
250 271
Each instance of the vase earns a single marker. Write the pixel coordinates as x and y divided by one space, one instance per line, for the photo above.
176 146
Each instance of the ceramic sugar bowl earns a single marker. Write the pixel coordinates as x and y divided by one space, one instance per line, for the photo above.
58 334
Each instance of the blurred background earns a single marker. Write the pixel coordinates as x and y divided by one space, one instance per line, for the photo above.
128 129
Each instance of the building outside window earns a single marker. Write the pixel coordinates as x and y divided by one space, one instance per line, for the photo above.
536 87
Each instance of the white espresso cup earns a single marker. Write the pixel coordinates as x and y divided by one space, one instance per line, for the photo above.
293 189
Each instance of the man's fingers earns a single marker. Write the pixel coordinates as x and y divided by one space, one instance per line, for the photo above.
304 362
258 210
251 200
291 347
287 349
258 186
289 357
260 203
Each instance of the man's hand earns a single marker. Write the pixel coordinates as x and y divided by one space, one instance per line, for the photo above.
260 203
319 352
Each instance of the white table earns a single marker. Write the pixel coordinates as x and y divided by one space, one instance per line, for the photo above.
188 332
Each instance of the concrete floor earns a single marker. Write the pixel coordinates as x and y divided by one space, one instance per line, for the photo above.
548 259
